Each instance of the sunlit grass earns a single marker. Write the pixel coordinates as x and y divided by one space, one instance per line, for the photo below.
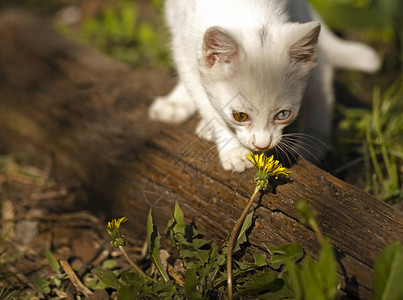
377 135
118 30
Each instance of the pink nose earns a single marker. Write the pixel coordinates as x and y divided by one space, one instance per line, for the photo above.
262 148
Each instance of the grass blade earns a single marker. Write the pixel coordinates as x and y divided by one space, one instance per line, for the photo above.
154 246
389 273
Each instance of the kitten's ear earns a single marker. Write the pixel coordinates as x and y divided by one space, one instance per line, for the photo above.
219 47
303 51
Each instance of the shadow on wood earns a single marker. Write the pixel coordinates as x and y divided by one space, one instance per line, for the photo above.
89 114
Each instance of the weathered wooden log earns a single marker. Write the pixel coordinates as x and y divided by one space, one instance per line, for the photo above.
88 114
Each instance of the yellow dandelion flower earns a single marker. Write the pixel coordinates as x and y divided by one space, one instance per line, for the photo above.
115 223
266 167
113 230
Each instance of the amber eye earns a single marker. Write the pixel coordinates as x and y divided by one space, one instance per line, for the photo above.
240 116
283 116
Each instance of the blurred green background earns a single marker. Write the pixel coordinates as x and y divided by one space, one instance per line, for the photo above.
367 141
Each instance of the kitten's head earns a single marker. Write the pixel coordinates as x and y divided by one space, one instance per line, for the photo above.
256 80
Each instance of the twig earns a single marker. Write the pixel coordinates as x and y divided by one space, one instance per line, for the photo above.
176 276
74 279
53 218
234 236
37 197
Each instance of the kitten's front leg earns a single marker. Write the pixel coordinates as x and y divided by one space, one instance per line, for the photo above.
206 130
232 153
176 107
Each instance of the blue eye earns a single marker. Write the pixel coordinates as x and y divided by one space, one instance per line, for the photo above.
283 115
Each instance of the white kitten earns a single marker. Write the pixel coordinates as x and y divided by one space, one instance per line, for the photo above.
244 65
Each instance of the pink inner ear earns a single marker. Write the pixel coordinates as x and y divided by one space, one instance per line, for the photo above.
211 47
219 46
211 60
304 50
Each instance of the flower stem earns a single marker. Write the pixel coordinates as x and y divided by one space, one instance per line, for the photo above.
317 231
136 267
234 235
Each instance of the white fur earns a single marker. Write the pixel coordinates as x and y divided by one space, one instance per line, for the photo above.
249 56
346 54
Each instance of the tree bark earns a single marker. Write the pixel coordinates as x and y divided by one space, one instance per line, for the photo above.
88 113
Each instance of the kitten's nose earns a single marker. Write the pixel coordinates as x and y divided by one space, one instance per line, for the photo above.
263 148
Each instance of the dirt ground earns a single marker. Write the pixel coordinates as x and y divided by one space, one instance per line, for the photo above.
39 214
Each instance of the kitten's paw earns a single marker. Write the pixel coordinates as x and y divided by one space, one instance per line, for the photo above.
171 110
235 159
205 130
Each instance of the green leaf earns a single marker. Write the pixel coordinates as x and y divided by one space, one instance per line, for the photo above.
293 279
284 293
193 250
176 224
132 277
221 259
129 292
261 282
242 236
290 252
311 280
319 279
327 263
191 283
42 285
109 278
314 280
95 283
138 287
56 281
109 264
389 273
198 243
54 264
260 262
188 254
178 215
154 245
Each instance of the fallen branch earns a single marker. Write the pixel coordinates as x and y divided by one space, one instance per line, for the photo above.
74 279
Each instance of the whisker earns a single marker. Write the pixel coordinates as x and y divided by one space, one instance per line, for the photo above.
302 143
284 152
296 153
295 145
211 154
299 148
307 137
292 149
279 153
